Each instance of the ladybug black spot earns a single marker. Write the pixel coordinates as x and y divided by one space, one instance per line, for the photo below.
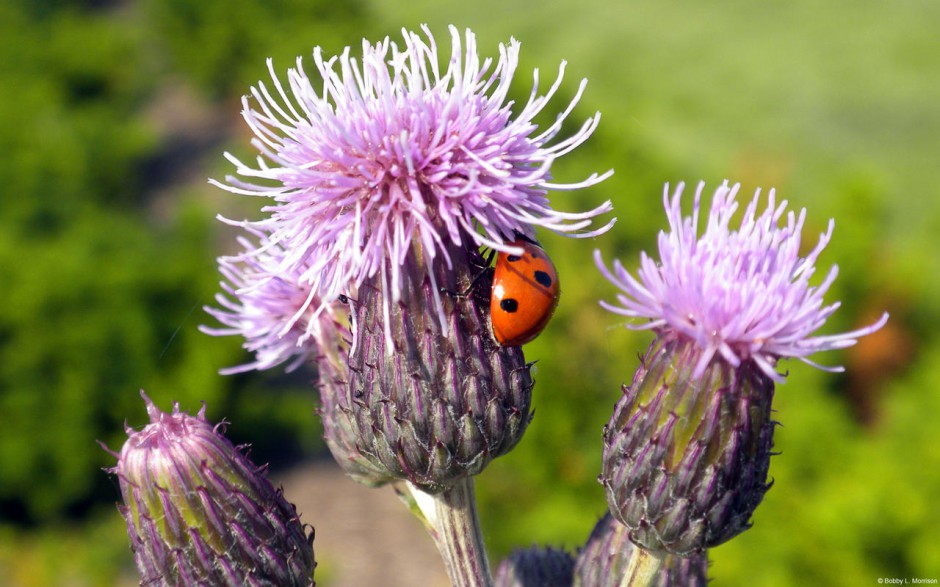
513 258
509 305
543 279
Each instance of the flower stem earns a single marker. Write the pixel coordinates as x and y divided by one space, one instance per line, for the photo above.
643 567
456 530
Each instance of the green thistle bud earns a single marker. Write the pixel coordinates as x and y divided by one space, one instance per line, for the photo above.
686 457
199 512
606 555
535 567
434 397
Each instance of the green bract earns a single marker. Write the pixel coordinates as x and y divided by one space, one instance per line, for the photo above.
686 457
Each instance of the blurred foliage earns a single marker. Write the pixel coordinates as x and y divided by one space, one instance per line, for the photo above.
220 46
107 257
89 553
107 250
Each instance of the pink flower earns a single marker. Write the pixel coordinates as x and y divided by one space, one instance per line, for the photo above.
275 313
740 294
391 150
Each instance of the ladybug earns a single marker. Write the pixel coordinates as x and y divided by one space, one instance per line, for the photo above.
524 295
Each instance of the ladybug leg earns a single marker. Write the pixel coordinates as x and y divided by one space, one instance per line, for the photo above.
470 288
522 237
486 268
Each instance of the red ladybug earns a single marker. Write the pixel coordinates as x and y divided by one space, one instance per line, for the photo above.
525 294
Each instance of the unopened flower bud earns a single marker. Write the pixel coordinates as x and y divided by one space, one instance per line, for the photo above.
606 555
535 567
199 512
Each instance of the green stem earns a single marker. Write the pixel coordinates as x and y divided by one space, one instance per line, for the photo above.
455 524
643 567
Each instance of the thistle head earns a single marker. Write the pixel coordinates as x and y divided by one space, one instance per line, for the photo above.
385 176
199 512
391 150
435 403
687 450
686 457
740 295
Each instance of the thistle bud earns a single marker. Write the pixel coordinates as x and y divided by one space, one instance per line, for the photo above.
199 512
435 400
606 555
686 457
535 567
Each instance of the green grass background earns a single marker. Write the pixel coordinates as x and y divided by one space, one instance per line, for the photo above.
112 114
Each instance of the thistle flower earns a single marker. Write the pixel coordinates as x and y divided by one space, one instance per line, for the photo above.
742 294
392 152
439 403
273 309
385 182
199 512
687 450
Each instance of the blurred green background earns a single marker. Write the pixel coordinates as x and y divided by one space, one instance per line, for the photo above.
113 114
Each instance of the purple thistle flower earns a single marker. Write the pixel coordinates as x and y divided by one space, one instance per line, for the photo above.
390 151
276 315
273 310
687 449
741 294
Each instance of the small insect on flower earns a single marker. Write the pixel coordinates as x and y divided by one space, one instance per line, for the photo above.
525 293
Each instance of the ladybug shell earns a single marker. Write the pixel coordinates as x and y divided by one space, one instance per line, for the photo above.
525 294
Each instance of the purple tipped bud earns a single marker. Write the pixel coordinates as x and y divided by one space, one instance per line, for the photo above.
535 567
606 556
199 512
434 404
686 457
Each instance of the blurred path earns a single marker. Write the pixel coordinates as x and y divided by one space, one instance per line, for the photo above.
364 536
